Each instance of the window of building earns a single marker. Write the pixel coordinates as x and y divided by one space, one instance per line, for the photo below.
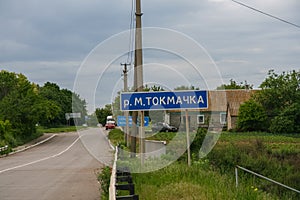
200 119
223 118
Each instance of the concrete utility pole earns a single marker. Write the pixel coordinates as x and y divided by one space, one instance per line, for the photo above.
138 74
126 113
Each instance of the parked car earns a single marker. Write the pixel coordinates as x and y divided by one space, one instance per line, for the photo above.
163 127
110 125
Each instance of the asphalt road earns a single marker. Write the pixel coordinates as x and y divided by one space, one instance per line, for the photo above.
63 168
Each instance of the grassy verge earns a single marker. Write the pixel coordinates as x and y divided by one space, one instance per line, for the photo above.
178 181
62 129
116 136
104 180
274 156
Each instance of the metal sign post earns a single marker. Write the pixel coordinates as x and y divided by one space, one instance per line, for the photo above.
187 126
142 137
127 129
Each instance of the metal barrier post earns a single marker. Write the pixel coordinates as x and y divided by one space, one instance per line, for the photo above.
4 148
121 179
236 177
268 179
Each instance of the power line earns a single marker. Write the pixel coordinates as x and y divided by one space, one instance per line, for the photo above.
267 14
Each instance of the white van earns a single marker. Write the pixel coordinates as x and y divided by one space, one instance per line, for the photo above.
110 119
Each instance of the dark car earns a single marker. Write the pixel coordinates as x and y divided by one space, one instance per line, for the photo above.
163 127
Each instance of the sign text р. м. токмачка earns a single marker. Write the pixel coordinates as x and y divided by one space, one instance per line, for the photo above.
164 100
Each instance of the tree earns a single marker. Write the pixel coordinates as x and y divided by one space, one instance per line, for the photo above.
63 101
51 96
115 106
102 113
280 97
78 106
234 85
24 104
47 111
153 88
183 87
288 121
8 82
92 120
6 137
18 105
251 117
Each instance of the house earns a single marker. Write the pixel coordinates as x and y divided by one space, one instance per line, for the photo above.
222 111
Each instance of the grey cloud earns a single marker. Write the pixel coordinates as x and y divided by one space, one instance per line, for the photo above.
47 40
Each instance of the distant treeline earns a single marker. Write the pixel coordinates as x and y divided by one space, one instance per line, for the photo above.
274 108
24 105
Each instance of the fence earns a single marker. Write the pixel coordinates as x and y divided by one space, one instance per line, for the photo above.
261 176
121 179
2 149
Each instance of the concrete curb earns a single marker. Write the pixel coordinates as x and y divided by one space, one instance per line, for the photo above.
108 140
30 146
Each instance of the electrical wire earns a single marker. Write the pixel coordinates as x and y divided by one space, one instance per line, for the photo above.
267 14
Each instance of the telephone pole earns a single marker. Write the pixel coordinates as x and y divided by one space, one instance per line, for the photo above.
126 113
138 75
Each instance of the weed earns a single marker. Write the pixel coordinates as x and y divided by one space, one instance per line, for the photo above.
104 179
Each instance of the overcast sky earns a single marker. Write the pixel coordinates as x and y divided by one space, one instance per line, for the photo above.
49 41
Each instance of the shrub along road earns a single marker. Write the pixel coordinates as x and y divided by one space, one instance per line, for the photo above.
61 168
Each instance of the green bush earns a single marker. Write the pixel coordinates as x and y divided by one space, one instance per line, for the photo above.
116 136
198 140
252 117
6 135
279 164
287 121
104 179
282 124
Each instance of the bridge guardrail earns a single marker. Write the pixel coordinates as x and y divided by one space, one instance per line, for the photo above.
3 148
121 179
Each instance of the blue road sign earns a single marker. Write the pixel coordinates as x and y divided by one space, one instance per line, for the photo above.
122 121
164 100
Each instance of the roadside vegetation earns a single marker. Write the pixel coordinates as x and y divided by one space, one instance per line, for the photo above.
275 108
116 136
104 180
276 156
61 129
272 155
178 181
24 106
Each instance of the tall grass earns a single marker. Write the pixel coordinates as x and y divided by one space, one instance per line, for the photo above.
61 129
178 181
274 156
116 137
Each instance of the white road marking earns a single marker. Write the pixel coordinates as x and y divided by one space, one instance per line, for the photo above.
41 142
40 160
